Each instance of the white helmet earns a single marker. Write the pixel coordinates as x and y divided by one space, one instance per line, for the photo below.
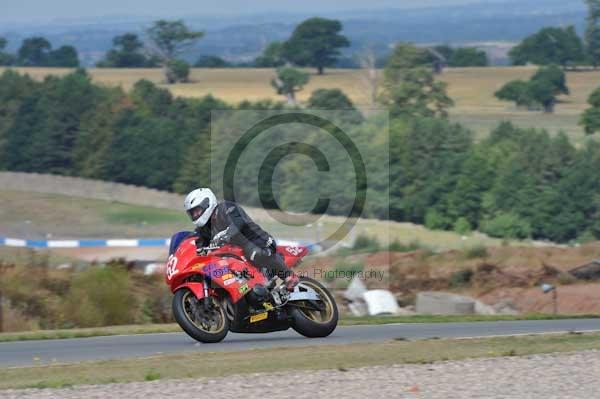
200 205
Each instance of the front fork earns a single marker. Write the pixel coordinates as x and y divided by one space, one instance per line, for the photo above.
206 296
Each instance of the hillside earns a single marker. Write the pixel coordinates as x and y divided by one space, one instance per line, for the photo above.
243 35
75 217
472 90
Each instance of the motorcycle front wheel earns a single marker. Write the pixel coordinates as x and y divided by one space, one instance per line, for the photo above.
314 319
204 320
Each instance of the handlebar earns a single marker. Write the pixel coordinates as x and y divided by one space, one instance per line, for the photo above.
205 250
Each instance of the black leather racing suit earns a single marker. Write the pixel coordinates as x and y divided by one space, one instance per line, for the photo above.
259 247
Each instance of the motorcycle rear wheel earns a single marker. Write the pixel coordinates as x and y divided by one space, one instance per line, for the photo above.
315 323
205 322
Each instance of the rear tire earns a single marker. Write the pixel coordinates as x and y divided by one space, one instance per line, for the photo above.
204 325
313 323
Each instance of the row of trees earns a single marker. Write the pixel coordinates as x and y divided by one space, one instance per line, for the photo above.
562 46
408 86
316 42
37 52
516 183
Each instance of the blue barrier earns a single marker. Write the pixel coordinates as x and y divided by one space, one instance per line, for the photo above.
89 243
115 242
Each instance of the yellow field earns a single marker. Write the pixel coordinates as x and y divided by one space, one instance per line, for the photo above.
472 89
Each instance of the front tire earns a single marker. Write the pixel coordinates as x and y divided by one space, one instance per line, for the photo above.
314 323
205 322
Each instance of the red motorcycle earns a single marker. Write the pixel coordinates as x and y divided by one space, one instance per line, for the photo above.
216 290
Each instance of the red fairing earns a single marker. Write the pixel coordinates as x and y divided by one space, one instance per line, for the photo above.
226 267
196 288
292 254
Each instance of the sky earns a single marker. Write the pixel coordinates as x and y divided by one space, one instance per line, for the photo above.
18 11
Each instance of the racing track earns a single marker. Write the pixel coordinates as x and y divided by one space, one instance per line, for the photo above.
26 353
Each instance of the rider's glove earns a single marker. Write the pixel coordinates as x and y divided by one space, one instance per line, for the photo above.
221 238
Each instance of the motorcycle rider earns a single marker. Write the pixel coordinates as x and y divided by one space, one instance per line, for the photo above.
224 222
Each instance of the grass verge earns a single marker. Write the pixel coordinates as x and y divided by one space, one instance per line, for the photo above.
218 364
346 321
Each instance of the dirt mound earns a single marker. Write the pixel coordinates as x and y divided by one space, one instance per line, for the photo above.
495 274
576 298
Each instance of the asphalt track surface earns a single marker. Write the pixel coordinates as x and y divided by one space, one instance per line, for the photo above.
25 353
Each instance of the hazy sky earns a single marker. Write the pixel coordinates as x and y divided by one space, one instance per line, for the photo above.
24 10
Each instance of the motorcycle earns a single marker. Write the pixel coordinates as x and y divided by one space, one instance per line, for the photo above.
216 290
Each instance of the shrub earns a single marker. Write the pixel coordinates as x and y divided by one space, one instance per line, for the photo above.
462 226
365 243
177 71
101 296
506 225
397 246
436 221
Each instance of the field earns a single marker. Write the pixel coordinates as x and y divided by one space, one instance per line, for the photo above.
472 89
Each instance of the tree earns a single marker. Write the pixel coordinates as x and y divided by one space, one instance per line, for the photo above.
315 42
127 52
592 32
554 76
416 93
516 91
5 58
404 57
543 92
333 99
409 88
64 56
177 71
426 156
211 61
170 39
550 45
288 82
507 225
34 51
540 90
590 120
272 56
468 57
592 41
37 51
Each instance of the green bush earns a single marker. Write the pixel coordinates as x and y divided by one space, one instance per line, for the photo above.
462 226
177 71
506 225
101 296
436 221
366 243
397 246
